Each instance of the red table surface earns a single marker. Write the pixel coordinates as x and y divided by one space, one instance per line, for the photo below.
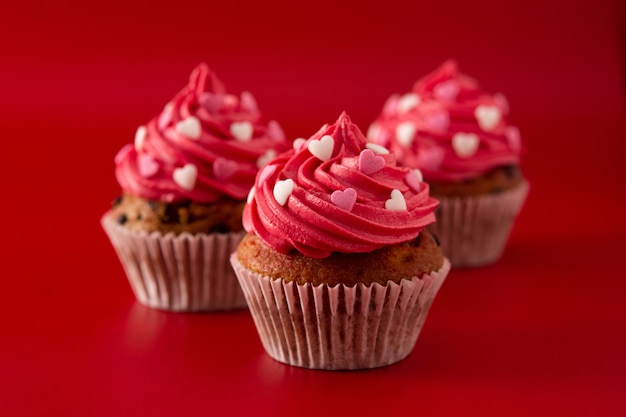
542 332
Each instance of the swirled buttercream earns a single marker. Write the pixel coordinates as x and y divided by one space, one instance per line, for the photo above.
448 127
333 193
204 145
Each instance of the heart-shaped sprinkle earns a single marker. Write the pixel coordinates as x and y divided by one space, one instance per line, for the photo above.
282 190
121 154
140 137
265 172
251 195
438 121
405 133
430 158
146 165
501 102
185 177
414 178
298 143
248 102
377 149
165 117
408 102
224 168
465 144
488 117
322 149
373 131
274 131
369 163
391 105
189 127
242 131
396 202
211 101
514 138
344 199
265 158
447 90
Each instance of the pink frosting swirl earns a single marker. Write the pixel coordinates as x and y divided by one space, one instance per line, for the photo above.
204 145
448 127
336 193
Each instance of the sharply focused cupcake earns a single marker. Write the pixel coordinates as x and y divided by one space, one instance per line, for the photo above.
337 267
459 137
184 185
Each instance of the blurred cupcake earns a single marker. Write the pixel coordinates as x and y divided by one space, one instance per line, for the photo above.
337 268
459 138
184 184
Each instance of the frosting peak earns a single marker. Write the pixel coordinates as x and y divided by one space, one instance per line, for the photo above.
448 127
204 145
336 193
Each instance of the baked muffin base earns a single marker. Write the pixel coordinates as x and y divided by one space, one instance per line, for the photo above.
497 181
341 327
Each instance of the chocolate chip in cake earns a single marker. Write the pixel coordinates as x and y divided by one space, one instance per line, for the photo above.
122 218
436 239
510 171
220 228
153 205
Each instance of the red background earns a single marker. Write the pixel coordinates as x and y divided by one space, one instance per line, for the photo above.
543 332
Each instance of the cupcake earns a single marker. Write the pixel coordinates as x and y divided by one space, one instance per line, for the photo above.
459 139
337 267
184 184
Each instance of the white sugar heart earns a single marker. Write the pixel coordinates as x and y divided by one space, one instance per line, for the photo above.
298 143
488 117
189 127
405 133
282 190
185 177
211 101
430 158
408 102
373 131
377 149
414 178
251 195
323 148
396 202
465 144
224 168
344 199
265 158
265 172
438 121
242 131
140 137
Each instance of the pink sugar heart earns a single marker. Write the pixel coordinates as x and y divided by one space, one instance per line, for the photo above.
370 163
344 199
514 138
248 102
265 158
430 158
391 105
274 131
447 90
298 144
224 168
414 179
166 116
211 101
146 165
121 154
501 102
438 121
266 171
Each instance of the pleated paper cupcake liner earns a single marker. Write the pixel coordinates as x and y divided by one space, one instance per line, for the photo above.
473 231
341 327
178 273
